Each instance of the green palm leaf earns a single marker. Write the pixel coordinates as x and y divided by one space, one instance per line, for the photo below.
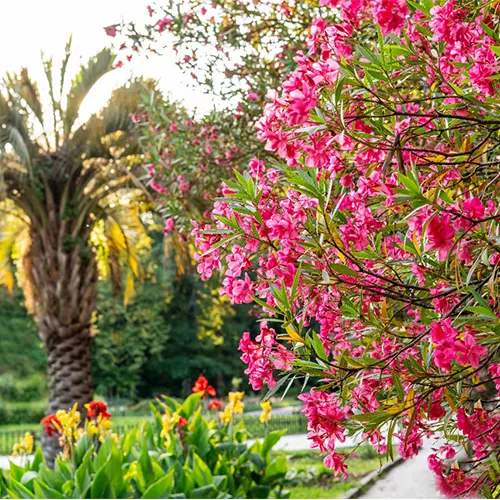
28 90
88 76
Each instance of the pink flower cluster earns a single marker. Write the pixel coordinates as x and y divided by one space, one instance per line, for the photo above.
264 356
325 417
450 345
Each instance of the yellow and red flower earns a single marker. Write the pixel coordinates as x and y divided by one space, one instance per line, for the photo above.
52 425
96 409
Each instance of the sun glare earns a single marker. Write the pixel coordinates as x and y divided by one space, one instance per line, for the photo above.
51 23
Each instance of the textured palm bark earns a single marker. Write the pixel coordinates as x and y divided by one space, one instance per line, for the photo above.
70 381
64 276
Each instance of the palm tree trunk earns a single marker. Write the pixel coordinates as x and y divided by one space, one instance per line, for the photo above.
70 381
65 286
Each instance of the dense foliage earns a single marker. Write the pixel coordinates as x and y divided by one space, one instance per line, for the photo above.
187 156
137 349
21 351
372 237
183 454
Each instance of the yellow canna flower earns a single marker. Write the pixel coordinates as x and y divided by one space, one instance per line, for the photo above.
101 428
166 427
92 428
132 471
227 415
265 416
236 402
24 446
69 420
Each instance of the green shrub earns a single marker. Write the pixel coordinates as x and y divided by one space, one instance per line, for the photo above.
181 455
13 389
22 412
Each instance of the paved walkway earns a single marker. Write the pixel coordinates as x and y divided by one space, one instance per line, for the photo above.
410 479
284 410
297 442
4 461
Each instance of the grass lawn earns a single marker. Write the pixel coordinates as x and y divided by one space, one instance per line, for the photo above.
309 478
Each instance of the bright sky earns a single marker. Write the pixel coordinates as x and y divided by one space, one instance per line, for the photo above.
31 26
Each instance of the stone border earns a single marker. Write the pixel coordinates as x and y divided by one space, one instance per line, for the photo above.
371 478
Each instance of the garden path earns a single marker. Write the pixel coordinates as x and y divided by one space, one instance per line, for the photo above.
4 461
410 479
285 410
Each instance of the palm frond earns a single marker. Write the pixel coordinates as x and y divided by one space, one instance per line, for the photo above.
11 135
123 102
11 231
115 117
56 106
64 65
88 76
126 238
14 131
26 88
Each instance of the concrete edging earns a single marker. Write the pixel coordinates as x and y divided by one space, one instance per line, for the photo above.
371 478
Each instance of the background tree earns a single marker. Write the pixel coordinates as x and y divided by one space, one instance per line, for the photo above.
61 183
176 327
236 52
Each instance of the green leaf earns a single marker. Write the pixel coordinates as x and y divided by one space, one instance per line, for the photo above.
28 476
398 386
82 474
19 490
201 472
259 491
483 312
44 491
37 459
208 491
199 437
277 387
490 32
390 451
276 468
16 472
145 466
271 439
189 406
341 269
101 485
319 348
161 488
52 478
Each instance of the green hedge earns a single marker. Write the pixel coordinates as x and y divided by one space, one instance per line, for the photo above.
14 389
22 412
294 424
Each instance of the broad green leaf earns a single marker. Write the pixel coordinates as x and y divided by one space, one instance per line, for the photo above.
271 439
162 487
201 472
